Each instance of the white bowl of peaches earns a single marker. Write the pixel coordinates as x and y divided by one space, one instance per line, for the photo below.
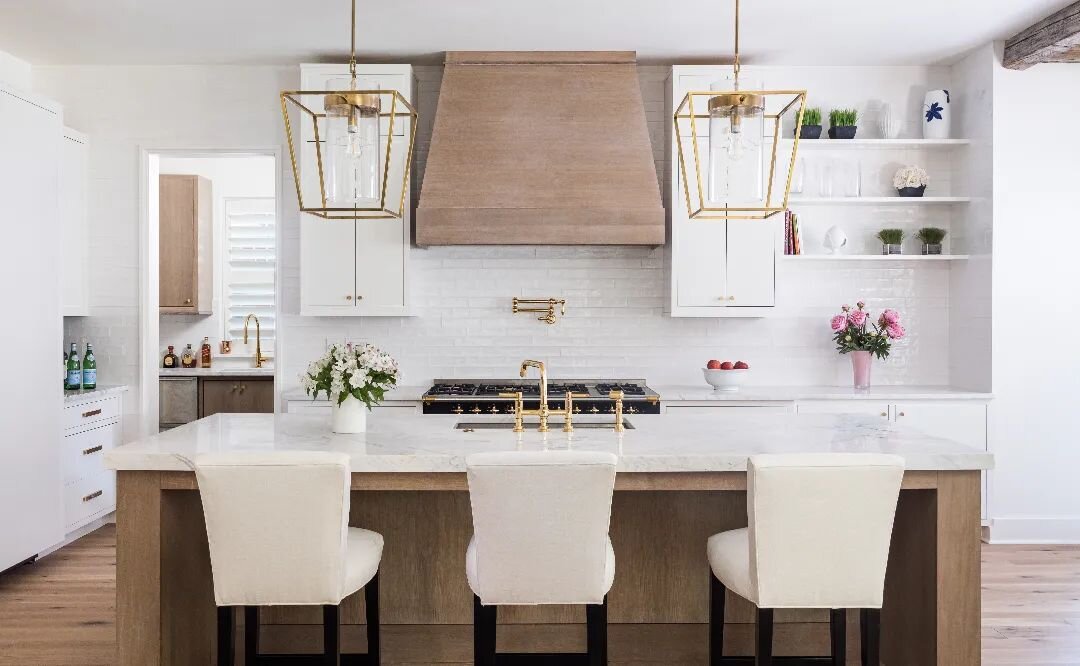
725 375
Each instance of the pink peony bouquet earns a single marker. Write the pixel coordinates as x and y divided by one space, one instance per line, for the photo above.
855 331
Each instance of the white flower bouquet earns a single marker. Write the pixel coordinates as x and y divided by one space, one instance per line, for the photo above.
910 176
364 372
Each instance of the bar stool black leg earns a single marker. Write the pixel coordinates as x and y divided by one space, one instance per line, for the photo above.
596 628
717 603
331 636
862 636
371 606
251 635
838 635
871 637
764 637
225 636
485 619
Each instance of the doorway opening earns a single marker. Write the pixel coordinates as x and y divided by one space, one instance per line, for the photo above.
211 247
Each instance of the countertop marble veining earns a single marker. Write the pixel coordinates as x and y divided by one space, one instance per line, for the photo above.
85 395
705 393
659 443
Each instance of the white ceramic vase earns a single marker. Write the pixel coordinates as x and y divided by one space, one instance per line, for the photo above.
888 124
937 115
835 239
350 416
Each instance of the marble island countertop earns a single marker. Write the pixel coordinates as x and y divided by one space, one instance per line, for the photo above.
218 371
660 443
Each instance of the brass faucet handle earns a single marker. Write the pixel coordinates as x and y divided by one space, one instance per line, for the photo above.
616 395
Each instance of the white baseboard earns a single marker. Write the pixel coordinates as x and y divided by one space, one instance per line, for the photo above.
1035 530
80 533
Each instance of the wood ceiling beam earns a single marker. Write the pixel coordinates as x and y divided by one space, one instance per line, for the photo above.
1053 39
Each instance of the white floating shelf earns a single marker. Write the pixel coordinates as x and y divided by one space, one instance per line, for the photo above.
889 201
879 143
874 257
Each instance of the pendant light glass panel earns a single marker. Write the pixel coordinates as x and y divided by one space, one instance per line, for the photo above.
736 172
354 158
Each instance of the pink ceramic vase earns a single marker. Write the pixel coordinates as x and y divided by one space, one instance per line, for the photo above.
860 368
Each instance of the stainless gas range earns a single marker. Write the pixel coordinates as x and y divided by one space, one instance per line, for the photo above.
482 396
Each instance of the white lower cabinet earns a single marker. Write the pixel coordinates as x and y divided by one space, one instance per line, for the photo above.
960 421
92 428
723 410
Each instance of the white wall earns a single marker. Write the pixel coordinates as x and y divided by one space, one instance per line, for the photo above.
15 72
232 176
1036 360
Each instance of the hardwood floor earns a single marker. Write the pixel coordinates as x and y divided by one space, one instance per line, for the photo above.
61 612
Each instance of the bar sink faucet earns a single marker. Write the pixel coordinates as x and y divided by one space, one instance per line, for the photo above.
259 359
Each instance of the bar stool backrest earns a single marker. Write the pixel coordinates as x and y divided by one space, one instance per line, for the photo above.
820 526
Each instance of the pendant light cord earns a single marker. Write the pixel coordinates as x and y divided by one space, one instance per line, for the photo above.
352 42
737 65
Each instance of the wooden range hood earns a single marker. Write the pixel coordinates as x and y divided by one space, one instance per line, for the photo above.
540 148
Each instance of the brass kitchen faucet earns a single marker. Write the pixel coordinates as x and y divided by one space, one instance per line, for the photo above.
544 411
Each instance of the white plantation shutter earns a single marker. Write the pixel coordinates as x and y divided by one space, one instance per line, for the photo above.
250 252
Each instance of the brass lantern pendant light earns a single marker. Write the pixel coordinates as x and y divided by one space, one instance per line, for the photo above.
735 176
354 154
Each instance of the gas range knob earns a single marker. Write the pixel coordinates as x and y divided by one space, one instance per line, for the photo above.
494 409
577 410
475 409
631 410
594 410
558 406
611 410
457 409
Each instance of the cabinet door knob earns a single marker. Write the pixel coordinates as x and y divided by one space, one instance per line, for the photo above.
731 298
902 414
348 298
187 301
242 387
235 387
884 413
359 297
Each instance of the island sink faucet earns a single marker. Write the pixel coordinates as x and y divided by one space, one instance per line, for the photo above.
543 410
259 359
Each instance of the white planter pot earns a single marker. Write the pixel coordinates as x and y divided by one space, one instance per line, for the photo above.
350 416
937 115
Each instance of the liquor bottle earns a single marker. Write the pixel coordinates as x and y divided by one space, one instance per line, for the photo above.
89 369
74 370
170 360
205 352
187 358
65 370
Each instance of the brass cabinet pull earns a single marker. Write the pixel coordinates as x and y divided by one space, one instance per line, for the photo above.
348 298
187 301
359 297
92 412
902 414
731 298
94 495
884 413
235 388
242 387
92 449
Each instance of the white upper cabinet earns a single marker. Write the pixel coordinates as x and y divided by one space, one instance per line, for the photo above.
355 267
719 268
74 292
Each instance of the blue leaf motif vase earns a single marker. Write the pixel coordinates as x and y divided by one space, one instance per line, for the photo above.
937 115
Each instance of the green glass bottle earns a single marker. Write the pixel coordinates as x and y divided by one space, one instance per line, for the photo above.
89 369
74 370
65 370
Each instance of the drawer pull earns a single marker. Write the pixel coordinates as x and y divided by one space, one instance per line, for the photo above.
92 449
92 412
92 496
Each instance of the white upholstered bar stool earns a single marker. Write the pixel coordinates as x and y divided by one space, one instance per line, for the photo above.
540 536
278 527
818 537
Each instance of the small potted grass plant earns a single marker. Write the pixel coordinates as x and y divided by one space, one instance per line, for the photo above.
931 238
811 124
843 123
891 241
